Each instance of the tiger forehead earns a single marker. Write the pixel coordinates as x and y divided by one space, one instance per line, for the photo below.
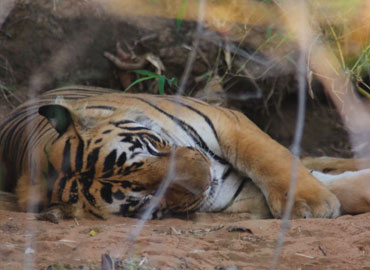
124 128
91 110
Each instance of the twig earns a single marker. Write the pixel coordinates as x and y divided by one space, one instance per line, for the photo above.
304 255
322 251
165 183
301 75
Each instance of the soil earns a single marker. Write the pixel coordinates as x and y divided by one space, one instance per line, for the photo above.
46 44
206 241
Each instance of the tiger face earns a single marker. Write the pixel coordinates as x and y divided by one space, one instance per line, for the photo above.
114 165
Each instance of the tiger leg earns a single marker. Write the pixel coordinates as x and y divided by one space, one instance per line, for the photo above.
31 195
269 165
251 201
352 188
335 165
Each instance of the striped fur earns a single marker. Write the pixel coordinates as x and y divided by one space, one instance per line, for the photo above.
110 152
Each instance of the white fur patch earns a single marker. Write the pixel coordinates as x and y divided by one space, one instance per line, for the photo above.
327 178
221 191
59 100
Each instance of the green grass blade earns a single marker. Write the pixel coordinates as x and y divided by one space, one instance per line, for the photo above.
161 82
172 82
364 92
181 14
269 30
139 81
146 72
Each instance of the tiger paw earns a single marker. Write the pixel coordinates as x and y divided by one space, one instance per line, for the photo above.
51 214
314 201
58 211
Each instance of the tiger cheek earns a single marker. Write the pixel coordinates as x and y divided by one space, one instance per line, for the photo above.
62 151
55 155
191 179
178 197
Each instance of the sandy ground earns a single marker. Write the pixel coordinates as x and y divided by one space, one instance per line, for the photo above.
205 241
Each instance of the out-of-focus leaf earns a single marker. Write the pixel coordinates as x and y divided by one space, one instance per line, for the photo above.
161 82
181 14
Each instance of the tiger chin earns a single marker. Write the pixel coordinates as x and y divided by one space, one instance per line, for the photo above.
91 152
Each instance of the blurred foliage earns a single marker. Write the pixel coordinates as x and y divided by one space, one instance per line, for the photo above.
343 25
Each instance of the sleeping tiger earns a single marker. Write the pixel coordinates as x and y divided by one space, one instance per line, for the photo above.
83 151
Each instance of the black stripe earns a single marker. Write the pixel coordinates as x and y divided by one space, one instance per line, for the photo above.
240 188
198 101
77 93
121 159
79 156
98 140
101 107
38 138
73 193
61 186
107 131
66 161
132 168
123 122
236 117
141 135
110 161
136 144
118 195
134 128
92 158
15 136
123 183
52 176
157 154
95 214
106 192
23 148
12 117
87 180
226 174
87 176
209 122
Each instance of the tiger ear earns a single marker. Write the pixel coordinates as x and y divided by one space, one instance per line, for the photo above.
58 116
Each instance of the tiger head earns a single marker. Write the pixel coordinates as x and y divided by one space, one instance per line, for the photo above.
107 161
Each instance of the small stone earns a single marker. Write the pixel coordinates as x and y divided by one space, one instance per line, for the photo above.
29 251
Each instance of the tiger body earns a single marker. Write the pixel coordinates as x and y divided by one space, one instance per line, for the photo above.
93 151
